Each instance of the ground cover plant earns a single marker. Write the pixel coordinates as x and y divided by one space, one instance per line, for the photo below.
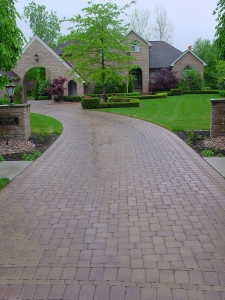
176 113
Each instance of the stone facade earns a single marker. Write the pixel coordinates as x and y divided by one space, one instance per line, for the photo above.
188 59
142 59
47 59
217 127
15 121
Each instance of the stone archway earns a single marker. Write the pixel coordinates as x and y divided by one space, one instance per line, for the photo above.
38 54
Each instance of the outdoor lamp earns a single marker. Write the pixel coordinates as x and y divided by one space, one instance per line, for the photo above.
36 56
10 91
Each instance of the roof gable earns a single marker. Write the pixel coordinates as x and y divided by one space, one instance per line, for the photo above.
36 38
162 55
132 31
188 50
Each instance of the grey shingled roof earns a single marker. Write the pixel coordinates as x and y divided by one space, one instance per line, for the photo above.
162 55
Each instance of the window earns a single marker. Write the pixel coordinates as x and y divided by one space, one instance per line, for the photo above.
186 70
135 47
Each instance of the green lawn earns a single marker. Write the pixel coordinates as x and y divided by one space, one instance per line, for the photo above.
186 112
41 124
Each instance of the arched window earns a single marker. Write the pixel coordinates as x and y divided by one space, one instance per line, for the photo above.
135 47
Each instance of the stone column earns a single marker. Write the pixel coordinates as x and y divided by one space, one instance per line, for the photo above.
217 125
15 121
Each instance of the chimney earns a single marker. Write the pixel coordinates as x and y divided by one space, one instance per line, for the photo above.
190 47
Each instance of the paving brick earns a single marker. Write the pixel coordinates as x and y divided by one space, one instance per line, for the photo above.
116 207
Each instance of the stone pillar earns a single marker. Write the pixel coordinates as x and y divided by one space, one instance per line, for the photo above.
217 125
15 121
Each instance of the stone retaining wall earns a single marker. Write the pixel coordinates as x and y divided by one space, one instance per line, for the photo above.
217 126
15 121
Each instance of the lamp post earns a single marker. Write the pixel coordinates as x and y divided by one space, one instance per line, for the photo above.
10 88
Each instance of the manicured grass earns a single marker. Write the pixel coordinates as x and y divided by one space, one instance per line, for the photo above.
41 124
3 182
176 113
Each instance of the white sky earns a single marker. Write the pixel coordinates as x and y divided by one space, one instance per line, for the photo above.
191 18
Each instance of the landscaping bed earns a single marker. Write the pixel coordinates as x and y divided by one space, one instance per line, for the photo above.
15 149
200 141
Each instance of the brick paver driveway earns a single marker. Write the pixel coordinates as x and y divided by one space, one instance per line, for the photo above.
117 208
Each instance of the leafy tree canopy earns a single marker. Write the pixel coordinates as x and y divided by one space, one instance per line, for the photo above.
100 48
42 23
11 39
220 29
205 50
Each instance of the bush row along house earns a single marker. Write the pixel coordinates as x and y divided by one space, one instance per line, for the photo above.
150 57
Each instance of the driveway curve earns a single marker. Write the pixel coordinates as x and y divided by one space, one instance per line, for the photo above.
117 208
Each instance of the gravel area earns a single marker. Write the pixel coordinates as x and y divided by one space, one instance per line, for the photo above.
15 146
216 142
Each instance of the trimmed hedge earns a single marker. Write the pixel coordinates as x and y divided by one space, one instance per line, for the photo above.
43 97
133 103
124 94
201 92
149 97
69 98
93 95
175 92
90 103
118 99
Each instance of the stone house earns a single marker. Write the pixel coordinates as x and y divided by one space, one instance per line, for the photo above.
150 56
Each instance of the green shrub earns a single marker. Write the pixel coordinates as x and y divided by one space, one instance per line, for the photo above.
175 92
191 80
1 158
43 88
132 103
131 86
200 91
90 103
222 93
18 102
207 153
118 99
4 101
43 97
123 88
18 92
36 88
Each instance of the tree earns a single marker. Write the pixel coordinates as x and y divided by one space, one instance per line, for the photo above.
165 80
140 22
219 41
162 28
205 50
11 39
191 80
56 87
100 48
43 24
